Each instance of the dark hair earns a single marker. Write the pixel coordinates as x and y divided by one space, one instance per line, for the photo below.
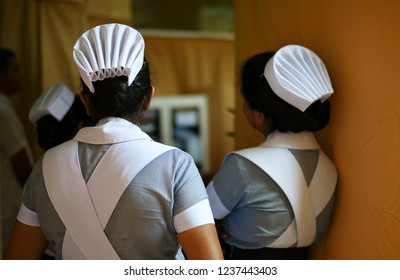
51 132
114 97
285 117
5 56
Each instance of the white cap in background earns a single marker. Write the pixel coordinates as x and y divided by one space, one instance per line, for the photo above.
55 101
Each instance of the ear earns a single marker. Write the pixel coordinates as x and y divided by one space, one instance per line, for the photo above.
262 123
151 98
258 116
85 100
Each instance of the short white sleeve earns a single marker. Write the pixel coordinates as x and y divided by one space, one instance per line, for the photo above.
28 217
194 216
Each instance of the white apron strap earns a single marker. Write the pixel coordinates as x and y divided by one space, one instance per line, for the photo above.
85 210
118 167
68 193
278 163
325 175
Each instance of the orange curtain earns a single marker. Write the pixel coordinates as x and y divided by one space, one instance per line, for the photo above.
359 42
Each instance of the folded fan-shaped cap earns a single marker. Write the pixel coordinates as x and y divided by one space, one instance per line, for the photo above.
107 51
55 101
298 76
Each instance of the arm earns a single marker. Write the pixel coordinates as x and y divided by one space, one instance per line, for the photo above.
201 243
26 243
193 219
13 142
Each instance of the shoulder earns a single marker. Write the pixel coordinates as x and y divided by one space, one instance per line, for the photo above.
172 162
37 169
237 161
175 154
8 116
34 185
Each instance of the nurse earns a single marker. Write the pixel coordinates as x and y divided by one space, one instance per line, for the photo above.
112 192
57 114
16 159
273 201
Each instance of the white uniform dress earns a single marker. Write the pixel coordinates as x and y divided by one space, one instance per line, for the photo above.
12 140
165 197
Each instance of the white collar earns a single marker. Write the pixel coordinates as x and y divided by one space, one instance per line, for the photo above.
111 130
300 141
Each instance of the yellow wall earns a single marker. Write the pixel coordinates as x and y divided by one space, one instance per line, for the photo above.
359 42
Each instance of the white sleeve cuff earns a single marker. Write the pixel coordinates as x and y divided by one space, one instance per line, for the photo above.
194 216
28 217
218 209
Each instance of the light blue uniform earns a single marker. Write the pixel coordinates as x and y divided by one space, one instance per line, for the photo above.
143 224
254 209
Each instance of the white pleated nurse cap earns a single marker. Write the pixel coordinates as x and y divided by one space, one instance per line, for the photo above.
55 101
107 51
298 76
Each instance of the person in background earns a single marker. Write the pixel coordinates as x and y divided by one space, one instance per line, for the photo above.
57 114
273 201
16 158
112 192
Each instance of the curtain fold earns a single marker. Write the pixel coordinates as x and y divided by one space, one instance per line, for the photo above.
61 23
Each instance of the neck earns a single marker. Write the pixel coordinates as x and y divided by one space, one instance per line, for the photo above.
266 129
